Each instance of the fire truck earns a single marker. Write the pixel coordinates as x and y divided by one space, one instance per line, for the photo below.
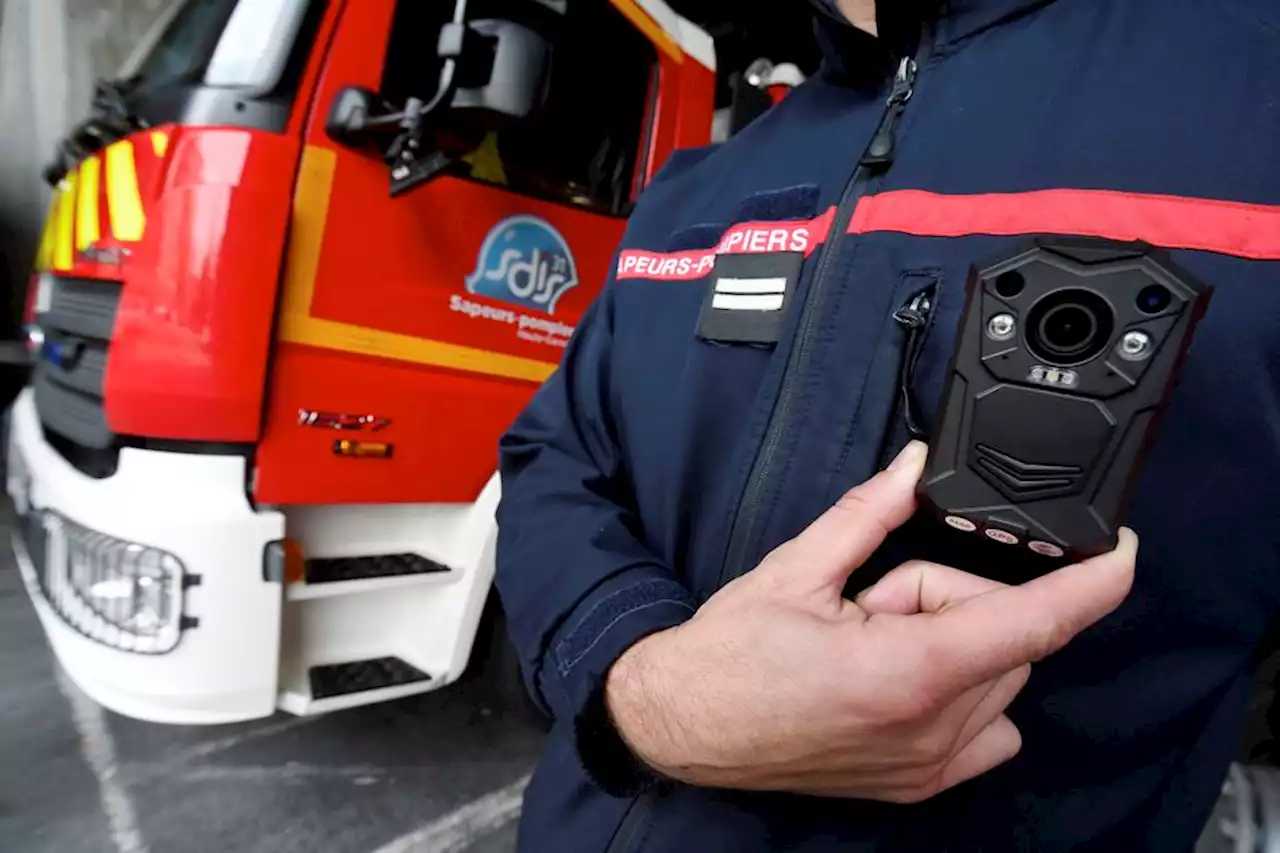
304 263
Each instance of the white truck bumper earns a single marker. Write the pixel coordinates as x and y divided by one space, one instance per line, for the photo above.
224 661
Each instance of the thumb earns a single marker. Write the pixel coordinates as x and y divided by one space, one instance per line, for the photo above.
988 635
923 587
823 556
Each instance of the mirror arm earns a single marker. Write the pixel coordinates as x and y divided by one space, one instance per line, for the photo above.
409 168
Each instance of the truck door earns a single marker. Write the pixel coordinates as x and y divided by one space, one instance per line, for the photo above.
420 325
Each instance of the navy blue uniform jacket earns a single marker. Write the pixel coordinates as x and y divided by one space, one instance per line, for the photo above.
658 461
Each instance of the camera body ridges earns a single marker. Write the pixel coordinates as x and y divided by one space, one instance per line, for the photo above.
1066 356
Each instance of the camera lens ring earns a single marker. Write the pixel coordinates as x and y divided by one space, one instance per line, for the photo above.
1066 330
1010 284
1069 327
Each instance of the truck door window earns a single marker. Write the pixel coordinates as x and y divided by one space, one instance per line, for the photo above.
582 146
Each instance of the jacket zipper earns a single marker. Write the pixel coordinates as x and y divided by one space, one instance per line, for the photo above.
876 159
633 825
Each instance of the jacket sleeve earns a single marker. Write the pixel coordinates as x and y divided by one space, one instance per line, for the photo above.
577 582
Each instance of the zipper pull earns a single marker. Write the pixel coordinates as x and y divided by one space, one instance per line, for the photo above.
915 313
912 317
882 148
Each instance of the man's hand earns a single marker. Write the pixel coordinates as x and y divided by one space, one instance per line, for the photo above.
779 683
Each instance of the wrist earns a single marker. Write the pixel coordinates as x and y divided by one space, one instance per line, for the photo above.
643 708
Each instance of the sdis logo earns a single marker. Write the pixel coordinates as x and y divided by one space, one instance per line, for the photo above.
526 261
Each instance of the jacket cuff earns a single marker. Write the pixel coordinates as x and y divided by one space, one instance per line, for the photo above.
618 614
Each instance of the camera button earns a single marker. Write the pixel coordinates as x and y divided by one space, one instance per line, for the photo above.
1004 537
961 523
1045 549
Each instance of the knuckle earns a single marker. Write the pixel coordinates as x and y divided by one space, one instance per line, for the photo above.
857 503
935 657
770 573
772 561
916 566
931 663
904 708
935 748
909 569
1052 637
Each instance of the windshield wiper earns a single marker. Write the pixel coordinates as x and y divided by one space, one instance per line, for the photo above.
110 119
110 102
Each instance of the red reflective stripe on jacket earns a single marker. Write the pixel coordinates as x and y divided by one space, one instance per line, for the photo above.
745 238
1173 222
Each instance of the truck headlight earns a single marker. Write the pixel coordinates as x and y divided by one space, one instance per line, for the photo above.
119 593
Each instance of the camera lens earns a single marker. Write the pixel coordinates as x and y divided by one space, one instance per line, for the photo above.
1069 327
1153 299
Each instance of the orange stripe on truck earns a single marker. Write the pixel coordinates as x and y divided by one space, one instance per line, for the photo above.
297 325
652 30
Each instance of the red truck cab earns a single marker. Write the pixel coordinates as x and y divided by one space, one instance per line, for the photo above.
304 263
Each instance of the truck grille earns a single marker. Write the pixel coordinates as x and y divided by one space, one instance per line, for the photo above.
69 374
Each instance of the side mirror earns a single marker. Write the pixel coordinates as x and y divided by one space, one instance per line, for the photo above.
508 83
349 116
494 73
497 74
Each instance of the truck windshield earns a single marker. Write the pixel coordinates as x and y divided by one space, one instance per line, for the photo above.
242 44
234 63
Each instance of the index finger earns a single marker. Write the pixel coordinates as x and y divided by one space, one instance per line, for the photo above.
822 557
986 636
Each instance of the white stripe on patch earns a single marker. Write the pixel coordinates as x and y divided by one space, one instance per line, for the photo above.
751 285
740 302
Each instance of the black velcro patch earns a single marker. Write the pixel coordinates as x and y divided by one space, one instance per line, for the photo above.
798 202
704 236
748 296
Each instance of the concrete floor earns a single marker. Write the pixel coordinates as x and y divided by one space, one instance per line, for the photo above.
439 773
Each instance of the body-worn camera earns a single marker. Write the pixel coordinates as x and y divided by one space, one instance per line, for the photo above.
1066 356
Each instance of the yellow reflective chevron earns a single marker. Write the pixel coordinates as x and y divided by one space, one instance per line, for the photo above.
124 200
49 234
64 244
88 227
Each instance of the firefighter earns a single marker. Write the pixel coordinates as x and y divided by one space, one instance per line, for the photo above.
686 499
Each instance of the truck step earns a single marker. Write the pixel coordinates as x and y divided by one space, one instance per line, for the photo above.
342 679
338 569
